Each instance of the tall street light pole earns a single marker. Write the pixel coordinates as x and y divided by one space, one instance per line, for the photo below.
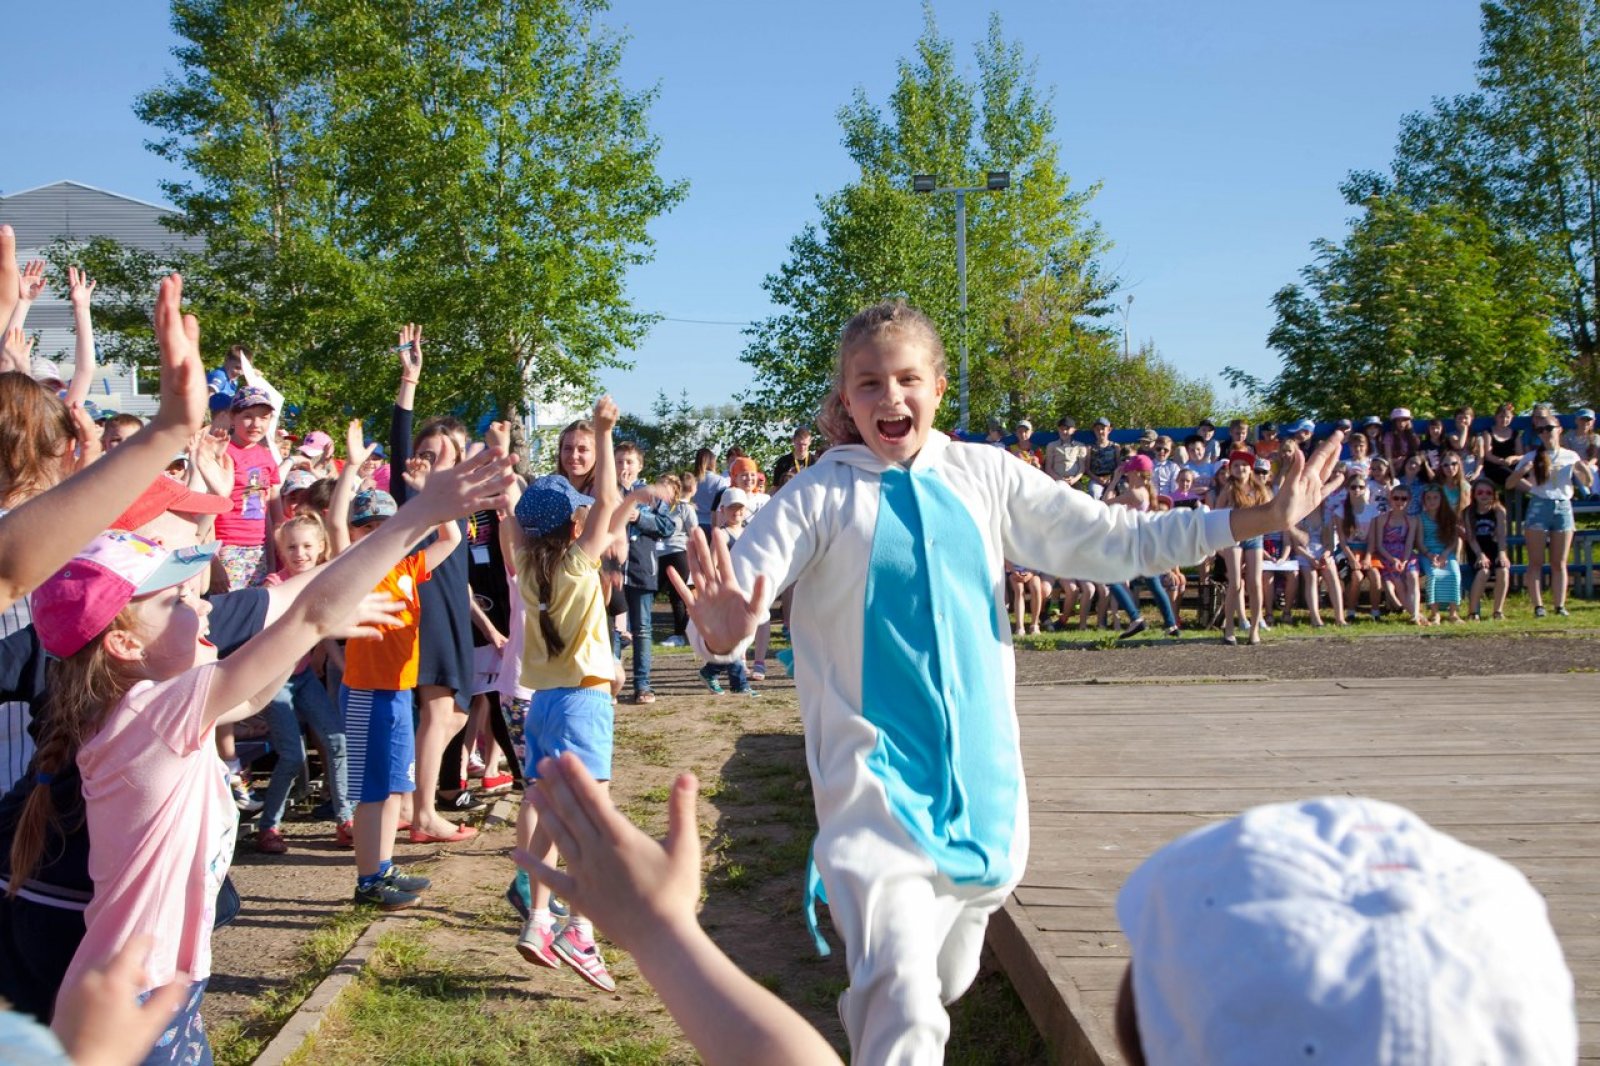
997 181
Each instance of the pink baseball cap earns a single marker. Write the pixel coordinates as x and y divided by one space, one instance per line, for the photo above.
81 599
316 443
1140 463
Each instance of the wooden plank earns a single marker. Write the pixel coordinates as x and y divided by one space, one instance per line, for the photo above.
1507 764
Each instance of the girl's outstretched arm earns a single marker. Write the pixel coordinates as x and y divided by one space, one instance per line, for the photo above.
337 591
643 894
42 535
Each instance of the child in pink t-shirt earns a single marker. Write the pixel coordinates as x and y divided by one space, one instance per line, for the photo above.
246 530
137 697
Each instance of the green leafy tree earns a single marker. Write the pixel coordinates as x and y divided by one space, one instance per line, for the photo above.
677 429
1423 307
1036 288
1523 152
476 167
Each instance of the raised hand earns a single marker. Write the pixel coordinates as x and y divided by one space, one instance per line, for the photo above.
1307 482
88 434
409 345
80 287
356 448
183 379
722 612
605 415
482 483
374 614
30 283
499 436
416 473
633 887
17 353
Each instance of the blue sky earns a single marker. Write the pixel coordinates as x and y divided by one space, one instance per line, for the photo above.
1220 139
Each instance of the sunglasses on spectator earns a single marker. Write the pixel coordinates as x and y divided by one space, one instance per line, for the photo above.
1544 429
1399 495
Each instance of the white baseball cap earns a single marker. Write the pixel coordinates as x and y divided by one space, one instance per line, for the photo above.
732 497
1342 931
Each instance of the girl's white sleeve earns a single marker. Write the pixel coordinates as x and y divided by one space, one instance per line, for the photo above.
1046 526
780 542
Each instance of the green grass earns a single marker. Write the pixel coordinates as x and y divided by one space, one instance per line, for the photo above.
412 1007
1519 621
238 1041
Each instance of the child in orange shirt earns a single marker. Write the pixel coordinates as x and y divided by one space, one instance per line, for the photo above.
375 697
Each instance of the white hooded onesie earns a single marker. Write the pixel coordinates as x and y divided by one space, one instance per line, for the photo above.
905 672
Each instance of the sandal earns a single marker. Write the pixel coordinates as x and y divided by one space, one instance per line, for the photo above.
1232 642
463 832
645 697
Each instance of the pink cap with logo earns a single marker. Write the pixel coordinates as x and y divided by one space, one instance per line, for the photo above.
81 599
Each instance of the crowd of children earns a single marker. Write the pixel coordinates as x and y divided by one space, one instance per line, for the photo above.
1419 523
422 612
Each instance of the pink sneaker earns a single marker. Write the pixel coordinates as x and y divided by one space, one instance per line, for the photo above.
534 945
582 954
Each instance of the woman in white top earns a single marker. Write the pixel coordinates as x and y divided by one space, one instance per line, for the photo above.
1547 473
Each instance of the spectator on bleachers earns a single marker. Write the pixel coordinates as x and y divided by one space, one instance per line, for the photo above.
1103 459
1207 432
1400 440
1064 457
1164 470
1500 446
1024 447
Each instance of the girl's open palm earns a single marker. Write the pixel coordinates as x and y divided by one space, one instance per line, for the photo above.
721 610
1307 482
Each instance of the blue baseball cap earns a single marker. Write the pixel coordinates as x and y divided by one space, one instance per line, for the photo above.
251 396
1583 412
547 504
371 505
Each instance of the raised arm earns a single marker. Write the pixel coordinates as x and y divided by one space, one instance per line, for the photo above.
597 532
357 452
30 284
409 347
642 894
80 288
447 540
17 353
42 535
245 678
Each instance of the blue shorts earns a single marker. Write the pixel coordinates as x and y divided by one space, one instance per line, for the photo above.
1252 544
1548 516
578 720
380 743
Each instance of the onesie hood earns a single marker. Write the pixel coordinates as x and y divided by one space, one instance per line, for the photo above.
861 457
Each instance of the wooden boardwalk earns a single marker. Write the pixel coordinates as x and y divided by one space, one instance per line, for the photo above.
1507 764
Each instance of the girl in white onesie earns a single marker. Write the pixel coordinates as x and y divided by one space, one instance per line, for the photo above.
894 542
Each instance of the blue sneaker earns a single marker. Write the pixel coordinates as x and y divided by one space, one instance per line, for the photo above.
520 895
711 680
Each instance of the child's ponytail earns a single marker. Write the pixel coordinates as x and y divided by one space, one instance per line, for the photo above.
554 643
83 688
540 556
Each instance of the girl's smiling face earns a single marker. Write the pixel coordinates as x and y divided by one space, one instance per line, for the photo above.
577 455
891 391
302 547
171 628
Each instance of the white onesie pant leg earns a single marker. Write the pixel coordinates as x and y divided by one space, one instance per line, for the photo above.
912 942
